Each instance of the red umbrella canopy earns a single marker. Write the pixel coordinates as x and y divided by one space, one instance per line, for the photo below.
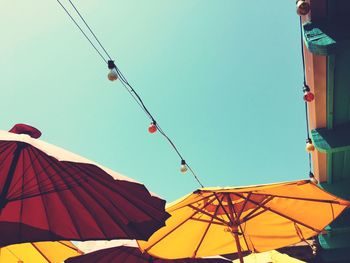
47 193
133 255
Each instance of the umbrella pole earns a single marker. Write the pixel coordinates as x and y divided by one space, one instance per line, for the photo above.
239 249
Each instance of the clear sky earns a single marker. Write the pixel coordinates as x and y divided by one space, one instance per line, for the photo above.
222 78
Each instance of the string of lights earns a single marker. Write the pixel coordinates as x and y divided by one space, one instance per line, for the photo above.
308 97
115 74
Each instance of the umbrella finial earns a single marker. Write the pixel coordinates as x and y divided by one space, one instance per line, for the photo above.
21 128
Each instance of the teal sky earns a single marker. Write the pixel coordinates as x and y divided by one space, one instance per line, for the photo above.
222 78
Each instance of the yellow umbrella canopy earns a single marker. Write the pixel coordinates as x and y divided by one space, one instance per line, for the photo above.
217 221
272 256
39 252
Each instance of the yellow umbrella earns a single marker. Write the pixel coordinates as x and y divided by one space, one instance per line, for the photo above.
39 252
272 256
218 221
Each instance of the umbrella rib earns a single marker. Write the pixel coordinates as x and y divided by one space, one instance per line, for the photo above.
231 211
6 146
299 198
12 253
121 195
21 208
233 214
115 220
91 175
247 218
25 170
10 175
176 227
60 198
41 197
282 215
9 148
37 194
251 214
244 205
75 194
223 207
206 221
71 247
208 214
193 202
41 253
206 231
28 192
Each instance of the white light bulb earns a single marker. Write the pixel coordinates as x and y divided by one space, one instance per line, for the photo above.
183 168
113 75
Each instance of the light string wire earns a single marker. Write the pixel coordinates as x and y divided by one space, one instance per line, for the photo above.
124 81
304 79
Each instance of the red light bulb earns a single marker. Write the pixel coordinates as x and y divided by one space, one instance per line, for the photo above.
152 128
303 7
308 96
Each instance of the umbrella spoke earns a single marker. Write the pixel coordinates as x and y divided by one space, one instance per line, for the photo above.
47 200
283 215
254 222
206 230
5 150
206 221
48 184
75 194
236 219
244 205
10 175
199 210
40 252
179 225
247 218
59 195
231 209
168 233
48 179
223 207
198 192
300 198
25 170
120 193
253 213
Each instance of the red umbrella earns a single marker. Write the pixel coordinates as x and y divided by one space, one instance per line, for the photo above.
47 193
133 255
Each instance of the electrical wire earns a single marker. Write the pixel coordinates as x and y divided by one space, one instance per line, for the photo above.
82 31
125 82
92 32
305 85
132 92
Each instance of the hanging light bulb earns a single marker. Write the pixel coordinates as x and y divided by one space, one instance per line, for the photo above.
152 128
312 178
303 7
113 74
309 146
183 168
308 95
